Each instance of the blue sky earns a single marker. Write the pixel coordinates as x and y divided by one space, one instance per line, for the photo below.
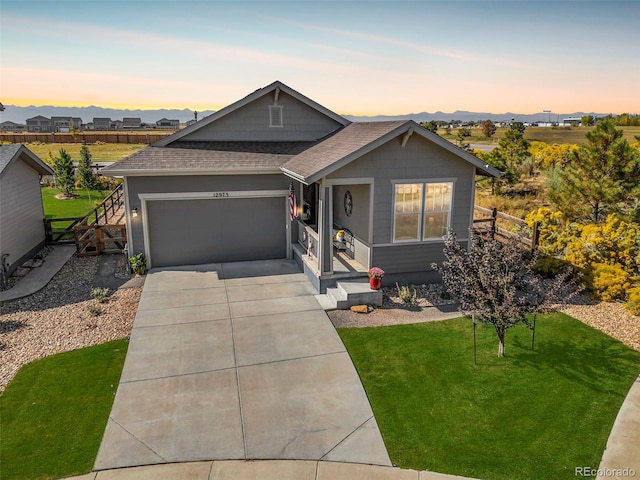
354 57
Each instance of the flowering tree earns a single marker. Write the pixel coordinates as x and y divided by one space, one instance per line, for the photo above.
495 281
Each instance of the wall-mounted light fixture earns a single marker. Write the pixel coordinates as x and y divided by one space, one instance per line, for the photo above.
134 212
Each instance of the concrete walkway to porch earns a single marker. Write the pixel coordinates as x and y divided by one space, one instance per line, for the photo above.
237 361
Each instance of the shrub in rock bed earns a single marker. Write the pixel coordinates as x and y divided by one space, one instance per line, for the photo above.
607 282
633 300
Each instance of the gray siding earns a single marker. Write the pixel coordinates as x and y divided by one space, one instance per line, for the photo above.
358 222
419 159
202 183
251 123
21 214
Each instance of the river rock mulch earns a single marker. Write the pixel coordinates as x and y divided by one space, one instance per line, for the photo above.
432 304
63 316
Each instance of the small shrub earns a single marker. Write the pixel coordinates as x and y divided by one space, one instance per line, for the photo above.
406 295
100 294
607 282
633 300
549 266
138 264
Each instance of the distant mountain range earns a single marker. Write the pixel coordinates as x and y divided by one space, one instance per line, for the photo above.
87 114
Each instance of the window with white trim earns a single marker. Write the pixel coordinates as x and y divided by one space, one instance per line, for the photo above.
422 211
275 116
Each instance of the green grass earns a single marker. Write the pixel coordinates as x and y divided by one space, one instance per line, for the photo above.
54 412
73 207
107 152
534 414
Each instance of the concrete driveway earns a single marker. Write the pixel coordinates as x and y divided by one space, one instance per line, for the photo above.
237 361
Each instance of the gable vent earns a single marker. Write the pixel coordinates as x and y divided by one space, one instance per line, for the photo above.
275 116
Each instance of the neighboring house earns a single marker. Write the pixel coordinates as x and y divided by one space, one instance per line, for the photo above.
101 123
21 214
12 126
39 124
218 191
166 123
61 124
129 123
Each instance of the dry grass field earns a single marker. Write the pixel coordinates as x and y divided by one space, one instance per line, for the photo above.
106 152
571 135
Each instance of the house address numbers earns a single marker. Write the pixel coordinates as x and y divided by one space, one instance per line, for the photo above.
220 194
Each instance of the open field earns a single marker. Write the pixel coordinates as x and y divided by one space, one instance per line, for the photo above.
107 152
572 135
533 414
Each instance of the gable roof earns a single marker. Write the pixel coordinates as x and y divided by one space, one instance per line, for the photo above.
9 153
360 138
275 86
193 161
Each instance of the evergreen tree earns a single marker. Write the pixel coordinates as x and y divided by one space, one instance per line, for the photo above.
432 126
86 177
603 178
64 172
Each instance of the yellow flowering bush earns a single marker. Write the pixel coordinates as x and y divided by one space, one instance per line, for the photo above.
633 300
608 253
551 155
607 282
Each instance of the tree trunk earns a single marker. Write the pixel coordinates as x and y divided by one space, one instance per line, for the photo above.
501 344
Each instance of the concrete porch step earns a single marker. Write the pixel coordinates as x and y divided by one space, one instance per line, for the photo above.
348 293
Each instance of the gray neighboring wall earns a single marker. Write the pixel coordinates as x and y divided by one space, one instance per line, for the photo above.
21 213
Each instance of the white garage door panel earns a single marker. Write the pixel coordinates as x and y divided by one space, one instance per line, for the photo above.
190 232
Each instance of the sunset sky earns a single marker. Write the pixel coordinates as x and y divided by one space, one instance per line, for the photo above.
354 57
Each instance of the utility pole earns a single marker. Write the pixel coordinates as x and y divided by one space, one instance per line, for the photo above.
549 112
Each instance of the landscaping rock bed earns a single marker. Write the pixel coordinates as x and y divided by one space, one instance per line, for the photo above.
63 316
609 317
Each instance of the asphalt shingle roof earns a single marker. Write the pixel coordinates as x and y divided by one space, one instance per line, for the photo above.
167 158
9 152
338 146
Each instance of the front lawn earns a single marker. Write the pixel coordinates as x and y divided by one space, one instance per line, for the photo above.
533 414
54 412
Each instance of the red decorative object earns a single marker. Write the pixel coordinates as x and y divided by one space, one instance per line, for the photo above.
374 283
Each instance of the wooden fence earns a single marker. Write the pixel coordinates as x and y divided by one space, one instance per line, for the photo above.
92 233
104 137
502 225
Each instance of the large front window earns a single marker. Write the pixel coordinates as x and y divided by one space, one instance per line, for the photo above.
422 211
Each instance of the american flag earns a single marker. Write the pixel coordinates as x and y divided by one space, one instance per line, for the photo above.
292 202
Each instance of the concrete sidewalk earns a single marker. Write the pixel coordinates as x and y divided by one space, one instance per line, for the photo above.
237 361
622 454
38 277
266 470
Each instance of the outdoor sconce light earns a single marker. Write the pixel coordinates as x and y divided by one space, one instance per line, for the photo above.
134 212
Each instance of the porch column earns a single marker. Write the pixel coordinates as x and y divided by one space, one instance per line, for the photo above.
325 230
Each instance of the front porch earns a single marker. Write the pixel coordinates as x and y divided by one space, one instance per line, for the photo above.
342 267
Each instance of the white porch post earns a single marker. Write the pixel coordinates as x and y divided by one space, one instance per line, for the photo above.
325 232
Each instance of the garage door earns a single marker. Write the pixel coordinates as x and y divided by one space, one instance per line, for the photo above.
191 232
